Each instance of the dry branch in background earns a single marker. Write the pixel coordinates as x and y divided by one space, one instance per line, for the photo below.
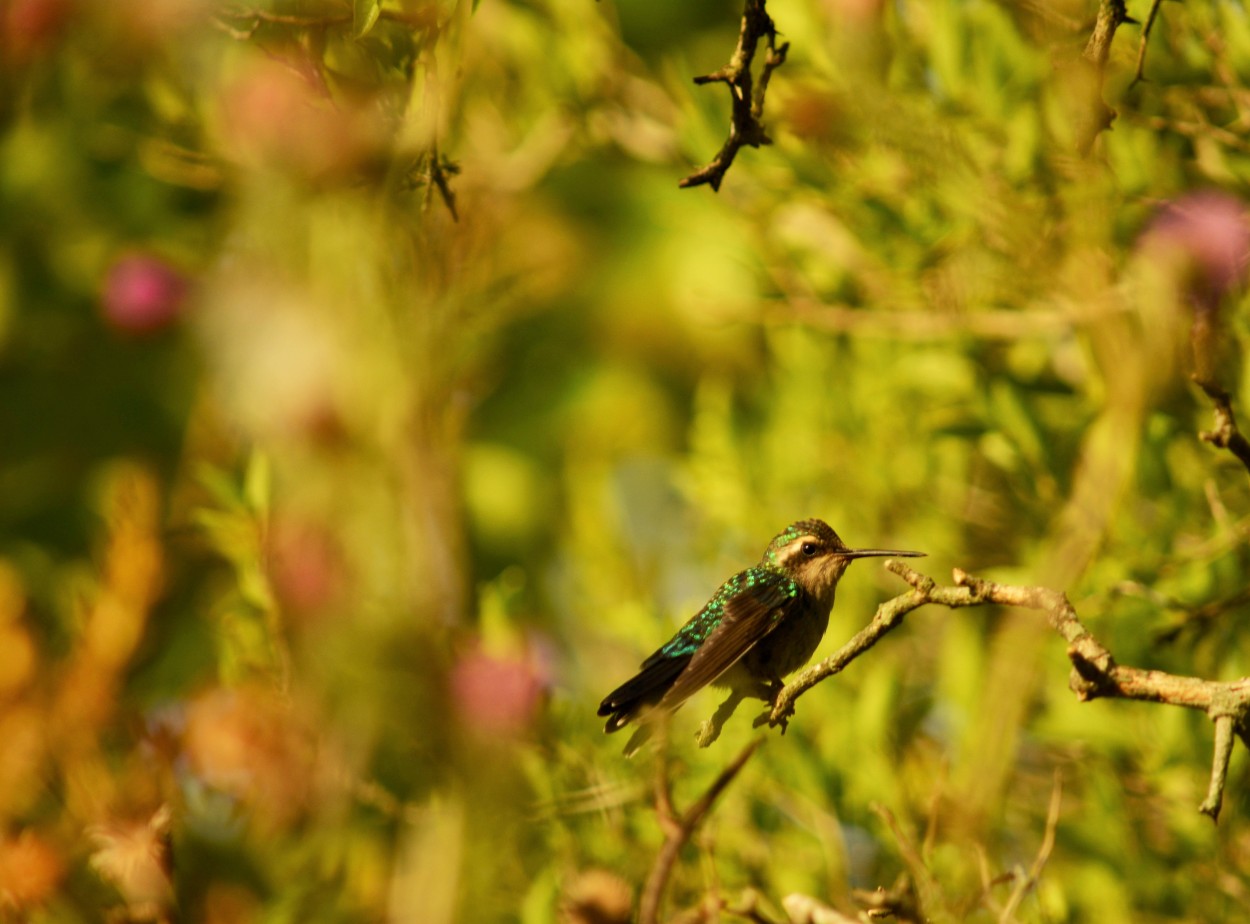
745 125
678 829
1225 435
1098 116
1140 74
918 896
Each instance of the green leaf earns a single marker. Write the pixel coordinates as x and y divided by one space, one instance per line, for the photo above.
257 482
365 15
220 486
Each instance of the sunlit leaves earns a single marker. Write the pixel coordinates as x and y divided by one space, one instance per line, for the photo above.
364 15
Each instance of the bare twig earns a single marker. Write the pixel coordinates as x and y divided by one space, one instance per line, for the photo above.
803 909
745 125
679 829
989 881
888 616
1219 766
747 906
917 895
1097 115
935 807
1140 74
928 893
433 169
897 903
1025 883
1225 435
1198 619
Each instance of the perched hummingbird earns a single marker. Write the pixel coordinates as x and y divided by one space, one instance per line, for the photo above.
762 624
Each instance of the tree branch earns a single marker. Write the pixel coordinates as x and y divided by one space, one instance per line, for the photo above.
745 125
679 829
1111 15
1226 435
899 902
1219 767
1099 116
1140 73
803 909
1095 673
888 616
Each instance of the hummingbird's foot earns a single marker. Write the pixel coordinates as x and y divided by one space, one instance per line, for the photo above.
766 718
784 718
709 731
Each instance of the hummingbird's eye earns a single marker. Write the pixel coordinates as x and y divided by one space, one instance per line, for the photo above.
809 549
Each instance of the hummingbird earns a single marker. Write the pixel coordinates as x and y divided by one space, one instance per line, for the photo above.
760 625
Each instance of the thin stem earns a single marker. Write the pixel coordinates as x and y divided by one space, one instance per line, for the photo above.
1140 74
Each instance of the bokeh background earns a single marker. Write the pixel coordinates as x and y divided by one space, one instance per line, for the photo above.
372 401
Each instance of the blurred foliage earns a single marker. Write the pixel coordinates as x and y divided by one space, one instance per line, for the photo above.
328 515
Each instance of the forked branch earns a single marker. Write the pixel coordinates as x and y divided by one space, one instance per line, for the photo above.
1225 435
745 123
679 828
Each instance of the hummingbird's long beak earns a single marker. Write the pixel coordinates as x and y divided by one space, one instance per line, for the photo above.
880 553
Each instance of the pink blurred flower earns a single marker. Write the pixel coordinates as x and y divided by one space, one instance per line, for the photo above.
162 20
143 294
499 695
281 115
29 26
1202 242
856 10
1209 232
305 565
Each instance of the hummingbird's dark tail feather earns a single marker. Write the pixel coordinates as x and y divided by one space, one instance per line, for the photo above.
643 690
642 734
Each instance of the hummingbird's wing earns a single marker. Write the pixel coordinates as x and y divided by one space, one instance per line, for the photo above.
644 689
750 614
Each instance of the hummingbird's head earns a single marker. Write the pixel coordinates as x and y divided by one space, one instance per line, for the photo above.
814 557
